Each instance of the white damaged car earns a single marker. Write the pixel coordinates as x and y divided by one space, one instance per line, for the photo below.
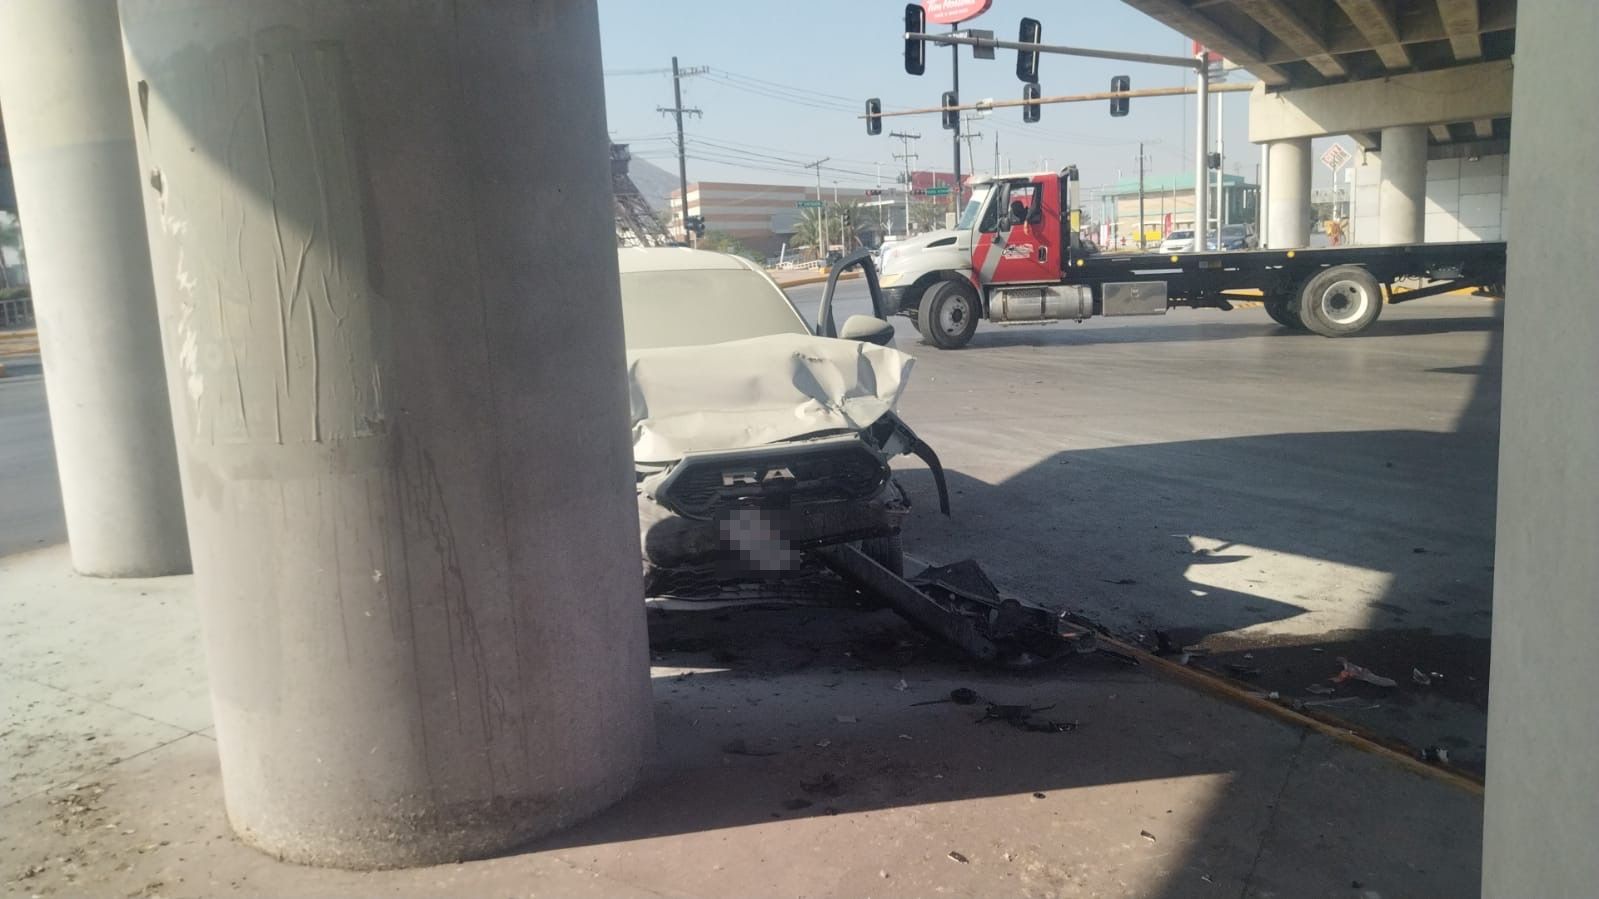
756 437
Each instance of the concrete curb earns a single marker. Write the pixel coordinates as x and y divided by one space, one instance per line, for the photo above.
812 279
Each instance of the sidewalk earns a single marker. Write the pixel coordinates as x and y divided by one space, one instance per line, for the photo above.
791 762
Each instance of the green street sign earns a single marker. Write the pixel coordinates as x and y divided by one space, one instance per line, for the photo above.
809 204
937 191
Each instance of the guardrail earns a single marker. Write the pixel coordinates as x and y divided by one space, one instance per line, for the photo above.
16 313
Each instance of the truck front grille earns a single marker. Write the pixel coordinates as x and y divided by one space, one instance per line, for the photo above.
702 487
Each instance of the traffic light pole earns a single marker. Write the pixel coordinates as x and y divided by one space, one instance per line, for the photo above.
1197 64
955 189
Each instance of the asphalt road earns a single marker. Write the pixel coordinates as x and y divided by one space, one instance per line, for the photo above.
1280 499
30 497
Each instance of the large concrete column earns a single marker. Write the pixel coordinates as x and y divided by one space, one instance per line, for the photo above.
1402 215
1288 192
383 247
70 133
1542 820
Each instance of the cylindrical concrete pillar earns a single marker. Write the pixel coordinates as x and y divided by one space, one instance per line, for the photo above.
1402 213
384 252
1288 192
70 134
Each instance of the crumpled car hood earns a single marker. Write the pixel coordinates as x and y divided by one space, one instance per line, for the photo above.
756 392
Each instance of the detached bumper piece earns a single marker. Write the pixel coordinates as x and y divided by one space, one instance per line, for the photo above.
960 605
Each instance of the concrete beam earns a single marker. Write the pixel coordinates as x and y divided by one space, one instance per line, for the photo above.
1459 94
1440 133
1469 149
1484 128
1463 23
1200 27
1403 190
1294 31
1424 26
1374 19
1365 140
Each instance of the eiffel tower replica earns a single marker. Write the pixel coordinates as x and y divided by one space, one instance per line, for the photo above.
636 224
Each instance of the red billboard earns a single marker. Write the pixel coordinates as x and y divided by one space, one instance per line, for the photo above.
949 12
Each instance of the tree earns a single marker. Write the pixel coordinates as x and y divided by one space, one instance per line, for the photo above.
10 236
927 216
843 219
721 242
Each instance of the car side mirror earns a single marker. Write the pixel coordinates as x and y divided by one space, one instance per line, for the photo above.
868 329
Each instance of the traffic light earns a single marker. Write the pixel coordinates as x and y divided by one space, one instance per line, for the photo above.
874 116
696 224
1213 160
952 116
915 48
1031 110
1119 84
1027 60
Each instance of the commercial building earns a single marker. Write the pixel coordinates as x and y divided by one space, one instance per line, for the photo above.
763 217
1168 206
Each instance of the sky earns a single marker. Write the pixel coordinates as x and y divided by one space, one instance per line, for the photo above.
788 80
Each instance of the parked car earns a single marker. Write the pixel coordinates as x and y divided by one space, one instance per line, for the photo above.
1178 242
1235 237
755 436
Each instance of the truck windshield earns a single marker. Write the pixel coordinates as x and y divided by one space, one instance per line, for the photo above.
969 214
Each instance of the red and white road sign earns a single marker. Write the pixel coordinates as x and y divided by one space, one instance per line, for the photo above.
1336 157
948 12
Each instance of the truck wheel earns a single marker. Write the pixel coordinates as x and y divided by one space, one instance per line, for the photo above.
1340 301
949 313
1282 312
885 551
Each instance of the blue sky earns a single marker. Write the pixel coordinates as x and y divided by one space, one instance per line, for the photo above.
788 80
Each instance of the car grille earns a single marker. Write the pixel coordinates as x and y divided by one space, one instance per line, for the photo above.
821 474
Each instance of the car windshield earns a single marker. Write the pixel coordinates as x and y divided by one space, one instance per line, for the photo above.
969 214
689 307
1180 235
1232 231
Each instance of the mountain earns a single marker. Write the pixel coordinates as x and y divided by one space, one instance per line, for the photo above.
654 183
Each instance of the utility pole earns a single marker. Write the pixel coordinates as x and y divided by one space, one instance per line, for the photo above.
1141 195
969 135
1142 160
955 189
905 144
821 211
678 112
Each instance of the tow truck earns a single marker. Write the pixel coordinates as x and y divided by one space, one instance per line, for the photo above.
1016 256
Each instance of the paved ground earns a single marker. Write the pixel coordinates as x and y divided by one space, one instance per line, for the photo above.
1280 499
791 761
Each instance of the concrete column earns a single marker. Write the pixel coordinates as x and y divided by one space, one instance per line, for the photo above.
383 248
1542 821
70 134
1402 215
1288 192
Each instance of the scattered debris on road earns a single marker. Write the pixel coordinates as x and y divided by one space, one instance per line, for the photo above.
958 696
1021 718
1355 672
960 858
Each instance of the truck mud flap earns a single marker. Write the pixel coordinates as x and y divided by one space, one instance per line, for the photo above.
960 605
